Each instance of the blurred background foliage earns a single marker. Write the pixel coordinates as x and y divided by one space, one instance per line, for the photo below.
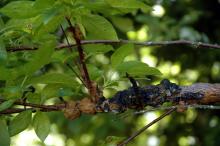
192 20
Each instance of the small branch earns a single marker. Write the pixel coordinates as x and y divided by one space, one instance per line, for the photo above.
123 143
112 42
45 108
84 72
75 62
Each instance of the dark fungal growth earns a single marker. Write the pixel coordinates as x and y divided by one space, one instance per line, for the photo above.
139 97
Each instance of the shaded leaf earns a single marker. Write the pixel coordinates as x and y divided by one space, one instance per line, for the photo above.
20 122
41 125
98 27
34 98
4 135
137 68
119 55
55 90
41 57
5 73
7 104
12 92
97 48
3 52
123 24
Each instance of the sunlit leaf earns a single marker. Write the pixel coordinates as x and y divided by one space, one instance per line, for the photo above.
20 122
41 125
98 27
94 72
132 4
137 68
54 78
4 135
43 4
119 55
19 9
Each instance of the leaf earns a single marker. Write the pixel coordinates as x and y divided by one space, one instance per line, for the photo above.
5 105
42 57
55 90
119 55
4 135
98 27
54 78
2 25
128 4
20 122
3 52
12 92
137 68
94 72
100 6
43 4
97 48
19 9
41 125
34 98
122 23
5 73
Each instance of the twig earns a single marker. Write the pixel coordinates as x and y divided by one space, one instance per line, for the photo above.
84 72
75 62
123 143
56 107
111 42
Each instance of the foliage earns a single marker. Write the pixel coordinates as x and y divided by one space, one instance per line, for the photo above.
36 24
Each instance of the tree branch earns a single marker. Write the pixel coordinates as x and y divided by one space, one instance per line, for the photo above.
84 71
111 42
126 141
45 108
210 95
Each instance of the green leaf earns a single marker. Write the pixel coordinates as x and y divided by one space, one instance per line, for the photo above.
97 48
43 4
12 92
20 122
94 72
42 57
119 55
5 73
41 125
100 6
55 90
5 105
3 52
34 98
137 68
123 24
2 25
54 78
4 135
98 27
19 9
128 4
